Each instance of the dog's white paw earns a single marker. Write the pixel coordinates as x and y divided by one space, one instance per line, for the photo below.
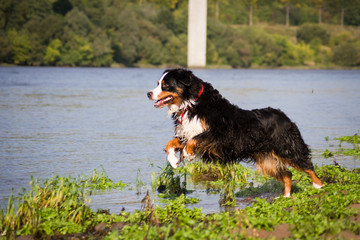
287 195
317 186
187 156
172 158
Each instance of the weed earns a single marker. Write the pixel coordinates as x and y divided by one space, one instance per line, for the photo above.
225 178
170 182
355 151
100 181
58 204
139 183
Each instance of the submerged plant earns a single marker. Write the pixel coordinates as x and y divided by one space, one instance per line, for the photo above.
139 183
100 181
309 214
171 182
221 177
355 151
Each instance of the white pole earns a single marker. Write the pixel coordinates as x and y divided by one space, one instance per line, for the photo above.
197 33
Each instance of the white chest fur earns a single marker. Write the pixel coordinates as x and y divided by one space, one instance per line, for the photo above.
189 128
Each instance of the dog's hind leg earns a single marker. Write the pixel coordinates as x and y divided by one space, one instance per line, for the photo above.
317 183
272 165
172 147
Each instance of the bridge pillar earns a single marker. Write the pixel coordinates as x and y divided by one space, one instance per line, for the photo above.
197 33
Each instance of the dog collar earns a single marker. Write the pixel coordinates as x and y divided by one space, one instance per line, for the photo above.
183 113
201 91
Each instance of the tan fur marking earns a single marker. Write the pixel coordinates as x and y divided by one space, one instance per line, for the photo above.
190 146
204 125
174 144
176 97
272 165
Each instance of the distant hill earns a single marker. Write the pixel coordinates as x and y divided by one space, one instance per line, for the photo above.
153 33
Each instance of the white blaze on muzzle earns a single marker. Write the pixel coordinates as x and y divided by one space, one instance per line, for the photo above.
158 90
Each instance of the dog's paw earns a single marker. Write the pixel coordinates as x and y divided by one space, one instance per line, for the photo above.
173 160
317 186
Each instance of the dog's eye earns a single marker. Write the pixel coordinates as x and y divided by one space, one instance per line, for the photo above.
165 85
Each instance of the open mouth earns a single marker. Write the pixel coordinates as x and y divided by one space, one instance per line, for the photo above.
164 101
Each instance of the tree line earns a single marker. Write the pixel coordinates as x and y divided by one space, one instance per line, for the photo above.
242 33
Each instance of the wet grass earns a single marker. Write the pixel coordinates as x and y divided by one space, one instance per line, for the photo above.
58 207
353 140
55 205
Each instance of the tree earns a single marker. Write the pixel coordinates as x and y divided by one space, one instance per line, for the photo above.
309 31
52 54
5 47
126 37
20 46
347 54
238 54
176 50
251 4
77 22
102 49
76 52
319 5
340 6
62 6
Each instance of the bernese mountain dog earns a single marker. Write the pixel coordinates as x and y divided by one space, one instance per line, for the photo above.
209 127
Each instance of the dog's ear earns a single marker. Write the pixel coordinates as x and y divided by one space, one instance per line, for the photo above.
185 77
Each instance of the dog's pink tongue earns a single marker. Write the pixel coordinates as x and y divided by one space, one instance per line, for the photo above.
159 103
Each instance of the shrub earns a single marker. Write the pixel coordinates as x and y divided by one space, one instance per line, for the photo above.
238 54
347 54
309 31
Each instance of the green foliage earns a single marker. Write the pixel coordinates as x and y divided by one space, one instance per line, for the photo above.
171 183
20 45
58 204
77 52
100 181
154 33
218 177
57 207
310 213
355 151
347 54
52 54
307 32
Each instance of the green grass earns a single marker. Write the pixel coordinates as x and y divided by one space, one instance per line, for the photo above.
352 140
58 204
58 207
217 177
309 214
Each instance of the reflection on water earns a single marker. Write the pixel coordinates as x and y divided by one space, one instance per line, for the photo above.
69 121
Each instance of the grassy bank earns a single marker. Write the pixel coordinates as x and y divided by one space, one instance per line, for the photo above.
58 207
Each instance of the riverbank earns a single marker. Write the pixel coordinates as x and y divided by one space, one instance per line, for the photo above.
57 209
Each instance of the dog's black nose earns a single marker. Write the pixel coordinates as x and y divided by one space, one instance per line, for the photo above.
149 94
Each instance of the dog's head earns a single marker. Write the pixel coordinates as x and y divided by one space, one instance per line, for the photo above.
175 88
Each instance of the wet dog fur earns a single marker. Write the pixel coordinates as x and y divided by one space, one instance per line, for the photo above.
209 127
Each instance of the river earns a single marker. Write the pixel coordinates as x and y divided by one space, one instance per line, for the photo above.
69 121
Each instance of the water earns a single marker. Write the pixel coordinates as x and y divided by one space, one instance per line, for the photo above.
69 121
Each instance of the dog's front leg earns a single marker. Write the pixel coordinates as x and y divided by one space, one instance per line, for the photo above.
189 150
172 147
